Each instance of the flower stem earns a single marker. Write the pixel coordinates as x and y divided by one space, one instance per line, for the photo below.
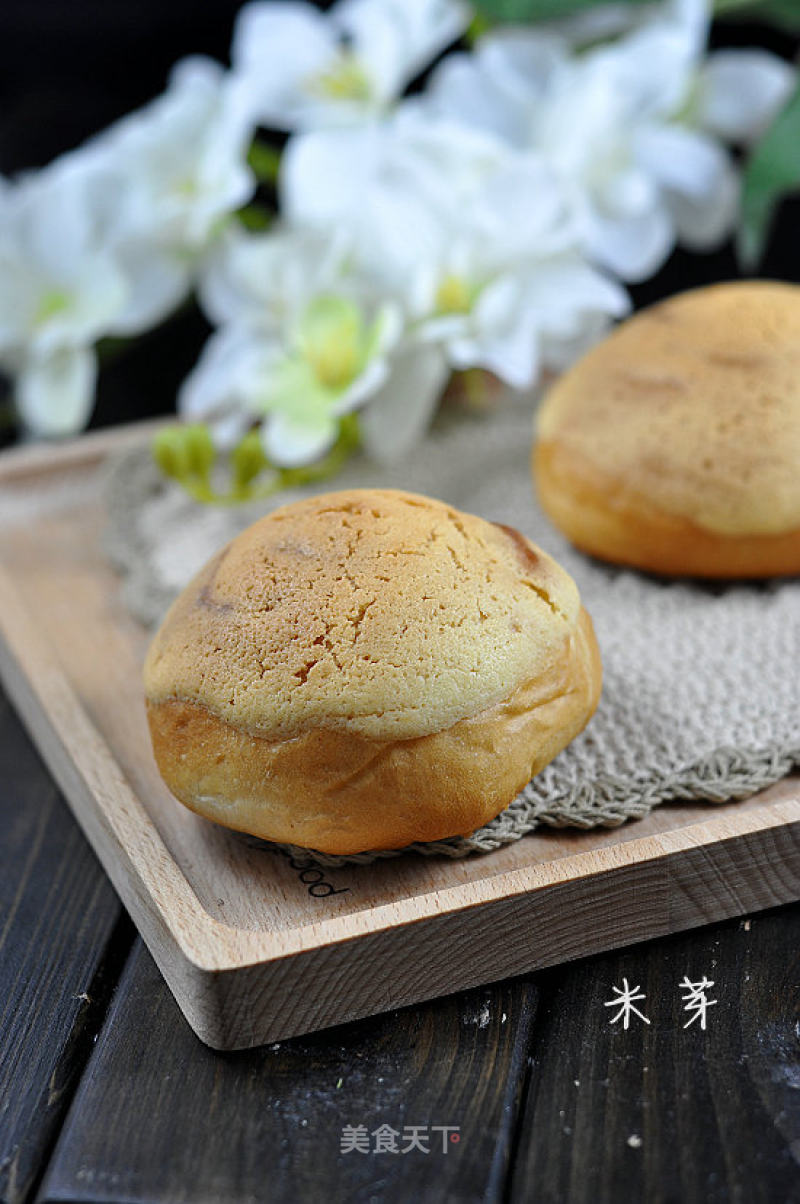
474 380
255 218
264 161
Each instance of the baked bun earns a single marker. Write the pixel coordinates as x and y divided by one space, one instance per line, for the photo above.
365 669
674 445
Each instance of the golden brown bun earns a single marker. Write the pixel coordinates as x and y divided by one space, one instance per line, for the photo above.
366 669
674 445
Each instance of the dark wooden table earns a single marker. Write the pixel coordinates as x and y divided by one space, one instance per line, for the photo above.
106 1095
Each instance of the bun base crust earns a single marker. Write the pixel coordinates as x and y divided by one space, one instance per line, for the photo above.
603 517
342 792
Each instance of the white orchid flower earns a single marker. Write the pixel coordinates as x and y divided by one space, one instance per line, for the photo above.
61 289
731 94
434 209
512 316
264 282
387 188
180 165
631 128
526 88
303 69
105 240
688 104
508 274
303 344
476 239
738 92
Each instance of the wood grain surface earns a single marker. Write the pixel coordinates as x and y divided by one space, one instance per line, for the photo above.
268 1124
62 931
552 1100
252 950
664 1113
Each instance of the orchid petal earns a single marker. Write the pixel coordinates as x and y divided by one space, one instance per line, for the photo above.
55 393
182 159
277 48
398 38
683 160
564 290
224 381
740 91
704 222
399 413
499 87
633 248
157 281
362 389
291 440
503 336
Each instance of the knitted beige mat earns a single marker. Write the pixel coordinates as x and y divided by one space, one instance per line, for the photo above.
701 697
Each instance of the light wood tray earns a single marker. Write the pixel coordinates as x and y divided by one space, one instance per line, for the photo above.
253 948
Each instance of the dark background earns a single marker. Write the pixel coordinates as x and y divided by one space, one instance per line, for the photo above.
70 67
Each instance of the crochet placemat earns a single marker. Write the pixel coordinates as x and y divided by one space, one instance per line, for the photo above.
701 695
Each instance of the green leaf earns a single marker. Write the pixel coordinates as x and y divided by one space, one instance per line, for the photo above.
523 11
778 12
784 13
478 26
772 170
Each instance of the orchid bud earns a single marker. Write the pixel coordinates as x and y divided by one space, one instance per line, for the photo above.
199 450
168 452
248 460
184 452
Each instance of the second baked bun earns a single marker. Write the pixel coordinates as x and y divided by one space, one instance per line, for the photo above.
366 669
674 445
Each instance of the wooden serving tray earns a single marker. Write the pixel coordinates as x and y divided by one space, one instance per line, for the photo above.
254 947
